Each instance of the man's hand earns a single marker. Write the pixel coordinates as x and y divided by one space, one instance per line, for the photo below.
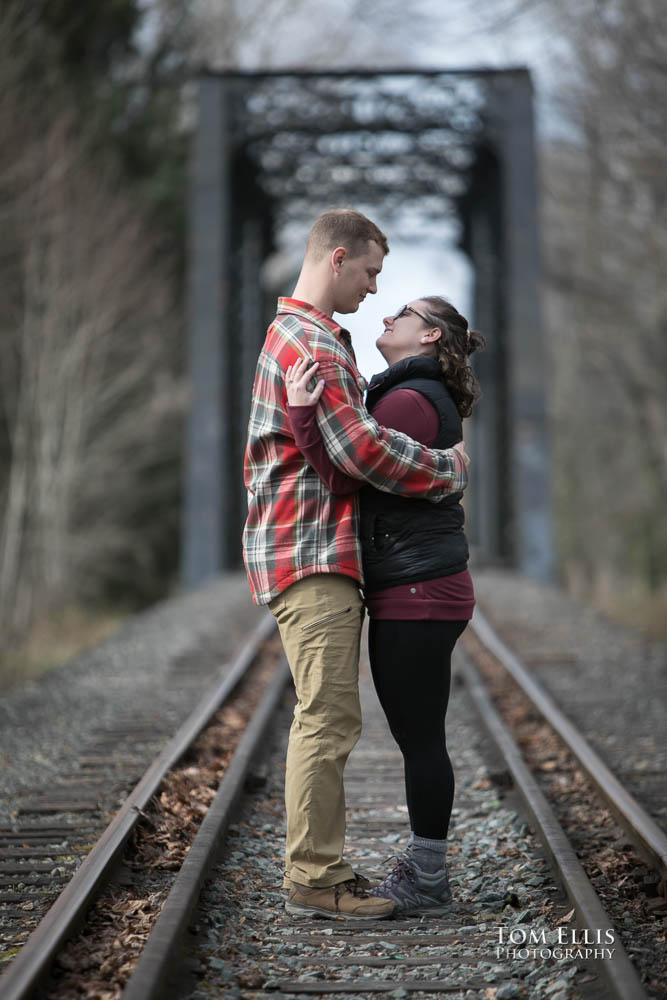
297 378
461 448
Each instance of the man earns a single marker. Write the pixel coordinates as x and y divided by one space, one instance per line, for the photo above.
302 551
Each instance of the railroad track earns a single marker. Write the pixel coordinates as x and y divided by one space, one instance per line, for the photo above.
258 949
30 969
428 957
646 836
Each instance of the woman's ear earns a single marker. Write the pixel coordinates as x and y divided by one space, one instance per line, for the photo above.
431 335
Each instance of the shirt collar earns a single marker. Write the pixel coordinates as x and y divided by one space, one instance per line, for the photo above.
296 307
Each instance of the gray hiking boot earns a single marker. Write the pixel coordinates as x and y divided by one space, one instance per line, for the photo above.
415 891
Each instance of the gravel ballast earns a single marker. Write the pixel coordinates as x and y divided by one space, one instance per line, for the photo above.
155 668
611 682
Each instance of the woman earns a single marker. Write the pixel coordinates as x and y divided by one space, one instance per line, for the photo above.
418 590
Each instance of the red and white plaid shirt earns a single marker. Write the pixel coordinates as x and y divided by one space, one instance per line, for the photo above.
295 525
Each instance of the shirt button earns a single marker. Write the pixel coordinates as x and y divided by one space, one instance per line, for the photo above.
413 590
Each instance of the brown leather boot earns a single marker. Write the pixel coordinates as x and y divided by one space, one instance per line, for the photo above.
362 881
344 901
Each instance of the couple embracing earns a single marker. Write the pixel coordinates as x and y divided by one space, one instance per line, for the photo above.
344 495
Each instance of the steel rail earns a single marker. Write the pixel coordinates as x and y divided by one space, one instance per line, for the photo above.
617 971
28 970
164 947
304 74
646 835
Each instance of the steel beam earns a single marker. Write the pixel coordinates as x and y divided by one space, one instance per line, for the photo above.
532 524
206 508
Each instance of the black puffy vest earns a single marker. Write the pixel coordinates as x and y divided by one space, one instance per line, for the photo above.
403 539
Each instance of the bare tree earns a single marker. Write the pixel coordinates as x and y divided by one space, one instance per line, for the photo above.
255 34
606 240
90 395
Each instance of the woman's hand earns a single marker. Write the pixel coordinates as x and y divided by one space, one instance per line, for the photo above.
461 448
297 378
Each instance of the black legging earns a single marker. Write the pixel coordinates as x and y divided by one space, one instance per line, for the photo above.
411 665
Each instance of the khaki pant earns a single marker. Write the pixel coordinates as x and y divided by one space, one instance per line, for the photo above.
319 619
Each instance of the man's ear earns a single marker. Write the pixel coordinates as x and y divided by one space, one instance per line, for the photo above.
337 258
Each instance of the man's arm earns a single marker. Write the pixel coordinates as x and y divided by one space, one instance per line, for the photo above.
309 442
387 459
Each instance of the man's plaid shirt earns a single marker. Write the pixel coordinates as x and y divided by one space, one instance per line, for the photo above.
295 525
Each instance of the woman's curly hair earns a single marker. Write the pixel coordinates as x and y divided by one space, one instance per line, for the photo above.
455 346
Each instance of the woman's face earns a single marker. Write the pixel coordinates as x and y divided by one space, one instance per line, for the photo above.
407 333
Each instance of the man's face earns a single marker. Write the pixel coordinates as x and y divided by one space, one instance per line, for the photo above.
356 277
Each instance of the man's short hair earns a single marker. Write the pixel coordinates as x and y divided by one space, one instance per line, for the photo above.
343 227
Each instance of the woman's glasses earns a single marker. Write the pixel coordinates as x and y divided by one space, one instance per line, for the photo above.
408 309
